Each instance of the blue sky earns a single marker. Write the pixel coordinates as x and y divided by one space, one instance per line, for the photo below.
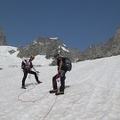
78 23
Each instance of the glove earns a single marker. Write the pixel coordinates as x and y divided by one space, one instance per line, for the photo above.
58 79
58 75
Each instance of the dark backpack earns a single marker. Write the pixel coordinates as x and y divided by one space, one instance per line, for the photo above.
68 64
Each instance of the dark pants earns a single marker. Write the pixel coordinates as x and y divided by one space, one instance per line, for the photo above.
25 76
62 80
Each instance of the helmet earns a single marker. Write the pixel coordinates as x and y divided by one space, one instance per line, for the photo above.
32 57
56 54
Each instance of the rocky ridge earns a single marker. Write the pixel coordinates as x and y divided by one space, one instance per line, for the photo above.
111 48
48 46
2 37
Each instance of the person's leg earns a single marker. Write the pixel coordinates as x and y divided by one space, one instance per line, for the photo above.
62 87
24 78
62 79
36 77
54 82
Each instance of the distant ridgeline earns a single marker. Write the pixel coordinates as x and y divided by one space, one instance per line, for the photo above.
111 48
47 46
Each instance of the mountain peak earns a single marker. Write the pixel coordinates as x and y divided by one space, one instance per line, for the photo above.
2 37
117 34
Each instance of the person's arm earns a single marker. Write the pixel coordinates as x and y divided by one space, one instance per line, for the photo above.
23 65
34 68
59 68
60 65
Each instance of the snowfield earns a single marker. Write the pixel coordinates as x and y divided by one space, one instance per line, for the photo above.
92 91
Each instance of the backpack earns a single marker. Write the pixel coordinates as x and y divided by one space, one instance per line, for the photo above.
25 64
68 64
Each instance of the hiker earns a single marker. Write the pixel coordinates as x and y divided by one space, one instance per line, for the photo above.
27 66
60 75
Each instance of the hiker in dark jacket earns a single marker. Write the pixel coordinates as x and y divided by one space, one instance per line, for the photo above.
61 75
27 66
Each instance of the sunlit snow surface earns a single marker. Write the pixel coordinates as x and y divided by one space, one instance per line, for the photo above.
92 90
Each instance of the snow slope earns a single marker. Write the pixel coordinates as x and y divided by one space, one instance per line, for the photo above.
92 92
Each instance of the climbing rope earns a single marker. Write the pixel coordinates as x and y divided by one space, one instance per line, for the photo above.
32 101
50 108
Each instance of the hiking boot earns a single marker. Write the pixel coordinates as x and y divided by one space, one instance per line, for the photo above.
59 93
53 91
23 87
39 82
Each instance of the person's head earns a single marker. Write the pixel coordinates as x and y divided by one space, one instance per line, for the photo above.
32 58
56 55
